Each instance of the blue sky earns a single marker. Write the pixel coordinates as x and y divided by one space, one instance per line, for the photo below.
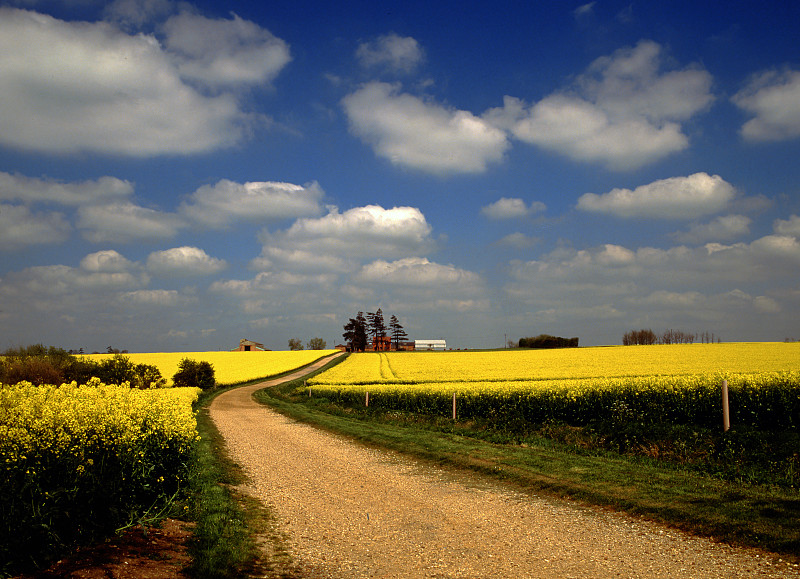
177 176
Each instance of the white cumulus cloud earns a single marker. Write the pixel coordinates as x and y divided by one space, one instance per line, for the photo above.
369 231
723 228
15 187
623 112
220 52
511 208
673 198
411 132
773 97
416 272
19 227
106 261
184 261
124 222
398 53
227 202
68 87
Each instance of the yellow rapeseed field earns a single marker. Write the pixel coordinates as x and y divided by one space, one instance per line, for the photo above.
569 363
229 367
680 383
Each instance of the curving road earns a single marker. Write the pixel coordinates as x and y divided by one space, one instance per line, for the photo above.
351 511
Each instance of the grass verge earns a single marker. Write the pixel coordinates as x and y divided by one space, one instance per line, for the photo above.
761 516
235 535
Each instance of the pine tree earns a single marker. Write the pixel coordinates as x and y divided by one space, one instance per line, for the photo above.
355 333
397 332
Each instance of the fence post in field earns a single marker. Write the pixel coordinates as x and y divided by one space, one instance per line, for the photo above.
726 412
454 405
366 399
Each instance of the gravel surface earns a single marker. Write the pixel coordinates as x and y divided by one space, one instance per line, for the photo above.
350 511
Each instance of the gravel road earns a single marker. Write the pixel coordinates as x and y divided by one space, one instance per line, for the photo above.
350 511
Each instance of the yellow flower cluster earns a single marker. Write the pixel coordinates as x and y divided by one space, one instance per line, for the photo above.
70 420
676 382
229 367
569 363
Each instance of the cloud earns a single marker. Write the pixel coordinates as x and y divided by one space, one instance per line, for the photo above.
421 135
713 287
15 187
789 226
584 10
511 208
723 228
135 13
773 98
106 261
158 297
673 198
623 112
227 202
40 283
416 272
124 222
184 261
517 240
20 227
69 87
224 52
398 53
361 232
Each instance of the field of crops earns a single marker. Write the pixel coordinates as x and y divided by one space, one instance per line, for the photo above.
81 461
677 383
229 367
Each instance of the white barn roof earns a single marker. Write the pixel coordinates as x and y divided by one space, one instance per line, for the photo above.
430 344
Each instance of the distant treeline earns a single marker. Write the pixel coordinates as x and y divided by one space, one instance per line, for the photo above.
547 341
648 337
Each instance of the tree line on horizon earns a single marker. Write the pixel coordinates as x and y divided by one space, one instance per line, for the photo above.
359 330
647 337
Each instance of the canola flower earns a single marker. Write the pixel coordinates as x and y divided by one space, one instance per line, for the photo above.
81 460
611 361
676 383
229 367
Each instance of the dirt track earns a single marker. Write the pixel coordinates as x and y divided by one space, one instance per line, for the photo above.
349 511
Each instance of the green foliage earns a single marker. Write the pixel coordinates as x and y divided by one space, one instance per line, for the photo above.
317 344
194 373
147 376
116 370
548 341
36 364
295 344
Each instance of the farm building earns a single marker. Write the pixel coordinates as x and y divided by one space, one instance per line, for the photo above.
430 345
249 346
381 344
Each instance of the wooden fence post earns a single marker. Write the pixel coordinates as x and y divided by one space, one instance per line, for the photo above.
726 412
366 399
454 406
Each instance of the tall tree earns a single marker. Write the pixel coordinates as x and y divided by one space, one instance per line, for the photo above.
355 333
397 332
377 327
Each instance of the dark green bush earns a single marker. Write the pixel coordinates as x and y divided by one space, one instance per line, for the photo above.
547 341
194 373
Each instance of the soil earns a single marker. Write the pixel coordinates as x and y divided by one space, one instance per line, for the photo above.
140 553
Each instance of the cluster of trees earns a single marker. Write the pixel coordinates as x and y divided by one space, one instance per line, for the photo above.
647 337
548 341
359 330
313 344
40 365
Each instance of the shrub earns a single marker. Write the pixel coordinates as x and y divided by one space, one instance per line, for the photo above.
194 373
547 341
